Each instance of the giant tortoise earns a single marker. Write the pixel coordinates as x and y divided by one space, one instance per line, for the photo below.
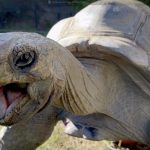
100 75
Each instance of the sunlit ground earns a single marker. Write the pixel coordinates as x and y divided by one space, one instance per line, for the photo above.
60 141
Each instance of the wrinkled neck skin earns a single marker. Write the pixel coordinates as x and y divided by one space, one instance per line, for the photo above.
99 86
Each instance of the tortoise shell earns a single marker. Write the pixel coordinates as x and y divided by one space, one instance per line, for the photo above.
113 27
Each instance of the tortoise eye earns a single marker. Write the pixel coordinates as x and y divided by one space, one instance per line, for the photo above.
24 60
23 57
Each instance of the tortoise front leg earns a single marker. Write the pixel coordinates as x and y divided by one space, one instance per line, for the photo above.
28 135
95 127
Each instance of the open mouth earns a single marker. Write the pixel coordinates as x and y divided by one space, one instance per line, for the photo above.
10 95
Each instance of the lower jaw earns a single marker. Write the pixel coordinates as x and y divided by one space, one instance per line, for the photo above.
24 110
13 111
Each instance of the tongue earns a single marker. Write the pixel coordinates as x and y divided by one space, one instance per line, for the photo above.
12 96
6 100
3 103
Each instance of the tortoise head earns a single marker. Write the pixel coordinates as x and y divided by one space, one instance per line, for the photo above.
27 77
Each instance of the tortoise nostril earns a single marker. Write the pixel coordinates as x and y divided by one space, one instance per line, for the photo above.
24 60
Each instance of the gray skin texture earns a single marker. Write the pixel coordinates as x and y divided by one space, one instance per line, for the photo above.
105 81
110 38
